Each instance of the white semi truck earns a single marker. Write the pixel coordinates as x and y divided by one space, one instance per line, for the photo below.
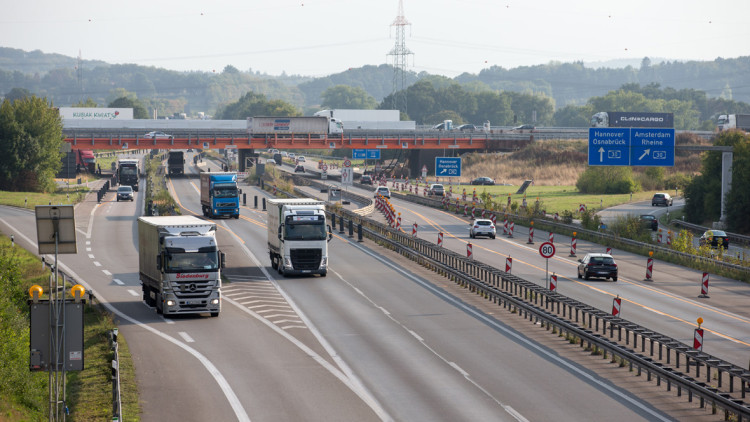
734 121
180 265
298 236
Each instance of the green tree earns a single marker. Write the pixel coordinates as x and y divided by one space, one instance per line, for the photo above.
30 141
344 96
88 103
252 104
17 94
607 180
139 111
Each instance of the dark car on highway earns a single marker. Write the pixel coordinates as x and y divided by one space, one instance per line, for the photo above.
660 199
650 221
483 181
714 239
124 193
366 179
597 265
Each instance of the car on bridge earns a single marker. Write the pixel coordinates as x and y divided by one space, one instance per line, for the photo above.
524 127
599 265
467 128
157 135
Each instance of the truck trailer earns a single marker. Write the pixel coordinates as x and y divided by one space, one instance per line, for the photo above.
180 265
734 121
219 195
298 236
127 172
312 125
176 163
632 119
369 120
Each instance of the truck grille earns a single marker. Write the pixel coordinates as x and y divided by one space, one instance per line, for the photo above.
193 289
305 259
226 204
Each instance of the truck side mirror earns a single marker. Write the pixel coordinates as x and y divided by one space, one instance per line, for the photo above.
330 233
222 259
158 262
280 227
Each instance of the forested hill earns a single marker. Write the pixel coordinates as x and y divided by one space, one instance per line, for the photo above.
55 76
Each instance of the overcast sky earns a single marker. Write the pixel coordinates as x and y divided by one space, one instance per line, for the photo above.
321 37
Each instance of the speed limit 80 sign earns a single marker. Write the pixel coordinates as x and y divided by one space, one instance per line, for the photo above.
547 250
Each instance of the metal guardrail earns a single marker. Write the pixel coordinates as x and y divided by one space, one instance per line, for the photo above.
599 330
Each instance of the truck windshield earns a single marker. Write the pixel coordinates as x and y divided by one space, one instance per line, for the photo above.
311 228
128 171
228 191
192 262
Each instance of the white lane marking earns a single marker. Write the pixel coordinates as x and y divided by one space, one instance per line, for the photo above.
345 374
88 249
186 337
133 292
167 320
118 281
106 272
231 397
88 242
97 263
507 332
91 256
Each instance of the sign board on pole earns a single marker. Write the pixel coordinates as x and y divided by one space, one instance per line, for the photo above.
547 250
366 154
347 176
631 147
424 171
448 166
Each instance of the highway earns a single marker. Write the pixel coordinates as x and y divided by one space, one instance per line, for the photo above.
668 303
375 340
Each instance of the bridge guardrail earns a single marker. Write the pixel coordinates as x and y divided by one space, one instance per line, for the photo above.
733 237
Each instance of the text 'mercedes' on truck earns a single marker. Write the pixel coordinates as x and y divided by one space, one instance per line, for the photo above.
298 236
180 265
219 195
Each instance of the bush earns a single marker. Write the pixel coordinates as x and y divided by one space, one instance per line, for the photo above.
607 180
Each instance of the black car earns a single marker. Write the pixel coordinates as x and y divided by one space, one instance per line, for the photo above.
650 221
714 239
467 128
522 127
597 265
483 181
661 199
366 180
125 193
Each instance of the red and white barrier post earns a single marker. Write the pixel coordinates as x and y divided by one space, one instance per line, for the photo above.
508 264
469 253
510 229
650 267
414 230
531 234
609 251
440 240
505 225
398 222
669 237
616 303
704 286
658 237
551 237
698 336
573 244
553 282
466 210
493 217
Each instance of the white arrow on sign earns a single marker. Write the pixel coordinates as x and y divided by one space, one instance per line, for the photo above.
645 153
601 154
443 171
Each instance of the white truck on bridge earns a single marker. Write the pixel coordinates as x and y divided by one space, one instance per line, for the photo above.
298 236
180 265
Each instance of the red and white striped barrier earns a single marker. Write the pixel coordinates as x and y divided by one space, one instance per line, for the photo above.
505 226
440 239
557 216
551 237
398 222
582 208
698 339
609 251
508 264
466 210
553 282
649 269
531 236
484 212
414 230
669 238
493 217
510 229
616 303
704 285
573 245
469 253
658 237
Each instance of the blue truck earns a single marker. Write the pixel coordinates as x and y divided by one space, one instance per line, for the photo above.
219 195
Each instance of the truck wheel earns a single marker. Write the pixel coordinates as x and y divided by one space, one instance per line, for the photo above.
274 265
324 273
237 217
280 269
214 314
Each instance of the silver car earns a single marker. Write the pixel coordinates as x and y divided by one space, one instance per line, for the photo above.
482 227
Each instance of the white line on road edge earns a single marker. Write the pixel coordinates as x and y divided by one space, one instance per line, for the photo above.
133 292
118 281
185 336
232 398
